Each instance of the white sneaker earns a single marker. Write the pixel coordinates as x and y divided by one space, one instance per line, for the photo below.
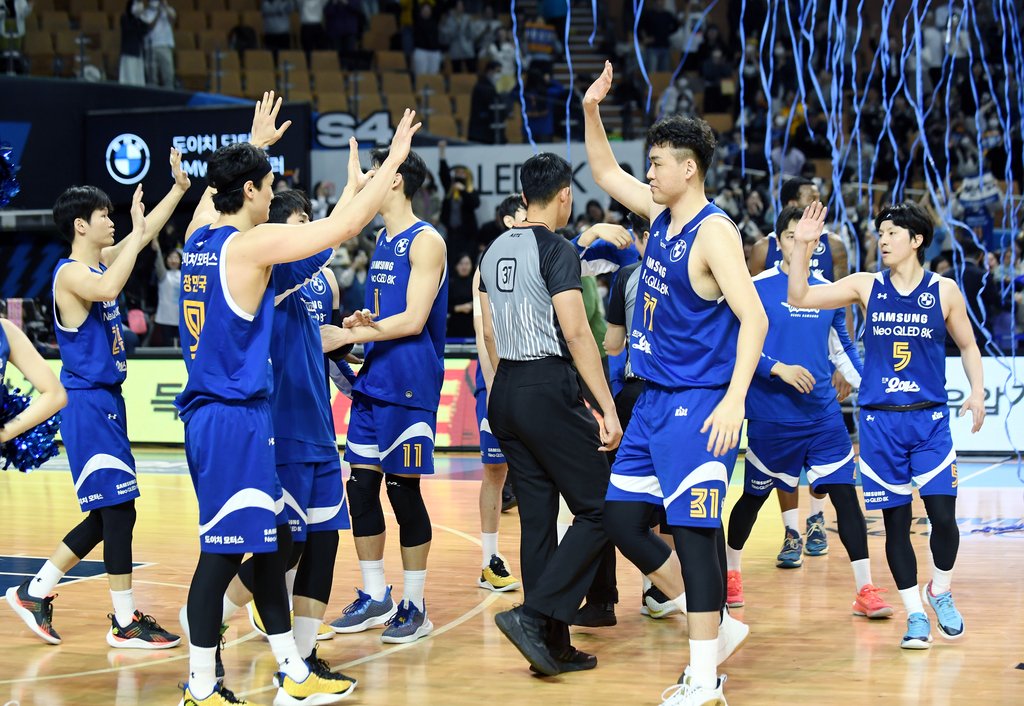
653 607
183 621
686 693
731 634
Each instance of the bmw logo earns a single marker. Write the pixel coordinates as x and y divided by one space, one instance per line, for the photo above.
127 159
402 246
820 250
677 251
926 300
317 285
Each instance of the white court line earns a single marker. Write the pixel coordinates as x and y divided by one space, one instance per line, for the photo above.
986 469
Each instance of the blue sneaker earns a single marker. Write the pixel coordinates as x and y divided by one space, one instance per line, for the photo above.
947 618
816 541
791 556
919 633
364 613
408 625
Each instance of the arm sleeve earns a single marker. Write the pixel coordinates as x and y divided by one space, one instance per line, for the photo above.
289 276
559 265
342 376
603 257
764 366
616 312
842 351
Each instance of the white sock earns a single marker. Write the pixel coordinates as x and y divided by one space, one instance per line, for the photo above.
412 588
733 557
287 656
124 607
912 600
562 529
680 602
704 663
373 579
305 634
202 671
817 505
861 572
43 583
489 540
289 583
791 518
940 580
229 609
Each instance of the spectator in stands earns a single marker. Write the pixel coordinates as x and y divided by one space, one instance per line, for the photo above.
132 69
656 26
13 14
458 209
345 22
426 37
460 298
940 265
352 282
427 201
159 16
487 29
714 71
323 199
984 301
242 38
487 110
677 99
168 277
541 93
541 44
503 51
458 31
277 24
311 25
554 13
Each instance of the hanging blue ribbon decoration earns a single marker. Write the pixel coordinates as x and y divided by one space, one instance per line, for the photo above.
593 14
638 9
568 98
519 78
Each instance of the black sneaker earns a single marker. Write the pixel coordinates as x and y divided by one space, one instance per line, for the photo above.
36 612
143 633
322 669
572 660
508 497
527 634
596 615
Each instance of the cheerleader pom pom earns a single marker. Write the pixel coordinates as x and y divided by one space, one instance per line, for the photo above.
9 186
12 403
29 450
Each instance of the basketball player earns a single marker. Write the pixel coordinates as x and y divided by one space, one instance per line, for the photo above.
16 348
494 575
831 260
394 406
696 341
226 328
904 421
94 429
794 422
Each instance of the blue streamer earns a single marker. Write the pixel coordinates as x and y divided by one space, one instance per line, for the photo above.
593 14
568 98
519 78
638 8
743 102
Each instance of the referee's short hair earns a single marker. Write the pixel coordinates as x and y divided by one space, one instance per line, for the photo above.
543 176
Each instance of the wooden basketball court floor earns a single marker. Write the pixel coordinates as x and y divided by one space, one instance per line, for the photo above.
804 647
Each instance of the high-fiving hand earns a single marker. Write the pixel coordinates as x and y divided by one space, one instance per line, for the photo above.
181 179
264 120
599 88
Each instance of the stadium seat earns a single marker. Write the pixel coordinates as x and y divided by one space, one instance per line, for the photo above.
395 83
94 22
223 20
257 82
459 84
224 61
229 83
392 61
295 57
258 60
332 103
330 82
323 60
444 126
366 104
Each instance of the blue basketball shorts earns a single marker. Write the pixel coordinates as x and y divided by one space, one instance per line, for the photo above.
776 460
396 438
899 450
490 450
95 435
230 454
314 497
663 458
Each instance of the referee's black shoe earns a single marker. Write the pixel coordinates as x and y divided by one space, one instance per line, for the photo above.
572 660
508 497
596 615
527 634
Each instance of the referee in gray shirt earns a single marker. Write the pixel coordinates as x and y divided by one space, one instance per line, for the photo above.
536 326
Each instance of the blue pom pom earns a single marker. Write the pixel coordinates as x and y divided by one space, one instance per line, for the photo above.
33 448
9 186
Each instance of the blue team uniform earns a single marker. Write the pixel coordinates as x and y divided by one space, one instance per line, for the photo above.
94 428
821 259
685 348
490 450
789 431
395 398
308 464
904 421
229 433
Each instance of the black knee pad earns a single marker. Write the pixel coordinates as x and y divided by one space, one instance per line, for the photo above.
316 572
407 502
86 535
118 526
628 525
297 550
363 489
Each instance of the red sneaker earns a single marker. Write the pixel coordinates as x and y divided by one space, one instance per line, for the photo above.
871 605
734 590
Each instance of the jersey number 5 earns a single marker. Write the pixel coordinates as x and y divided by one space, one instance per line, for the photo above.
901 353
195 316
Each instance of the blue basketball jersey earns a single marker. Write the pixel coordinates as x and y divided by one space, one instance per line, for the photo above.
318 298
795 337
226 349
821 259
91 355
679 339
904 345
407 371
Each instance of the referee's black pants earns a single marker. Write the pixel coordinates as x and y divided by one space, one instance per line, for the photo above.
550 440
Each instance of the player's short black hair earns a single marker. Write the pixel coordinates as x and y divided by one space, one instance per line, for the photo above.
685 132
638 224
791 189
543 176
78 202
413 170
787 216
230 168
913 217
508 207
286 203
